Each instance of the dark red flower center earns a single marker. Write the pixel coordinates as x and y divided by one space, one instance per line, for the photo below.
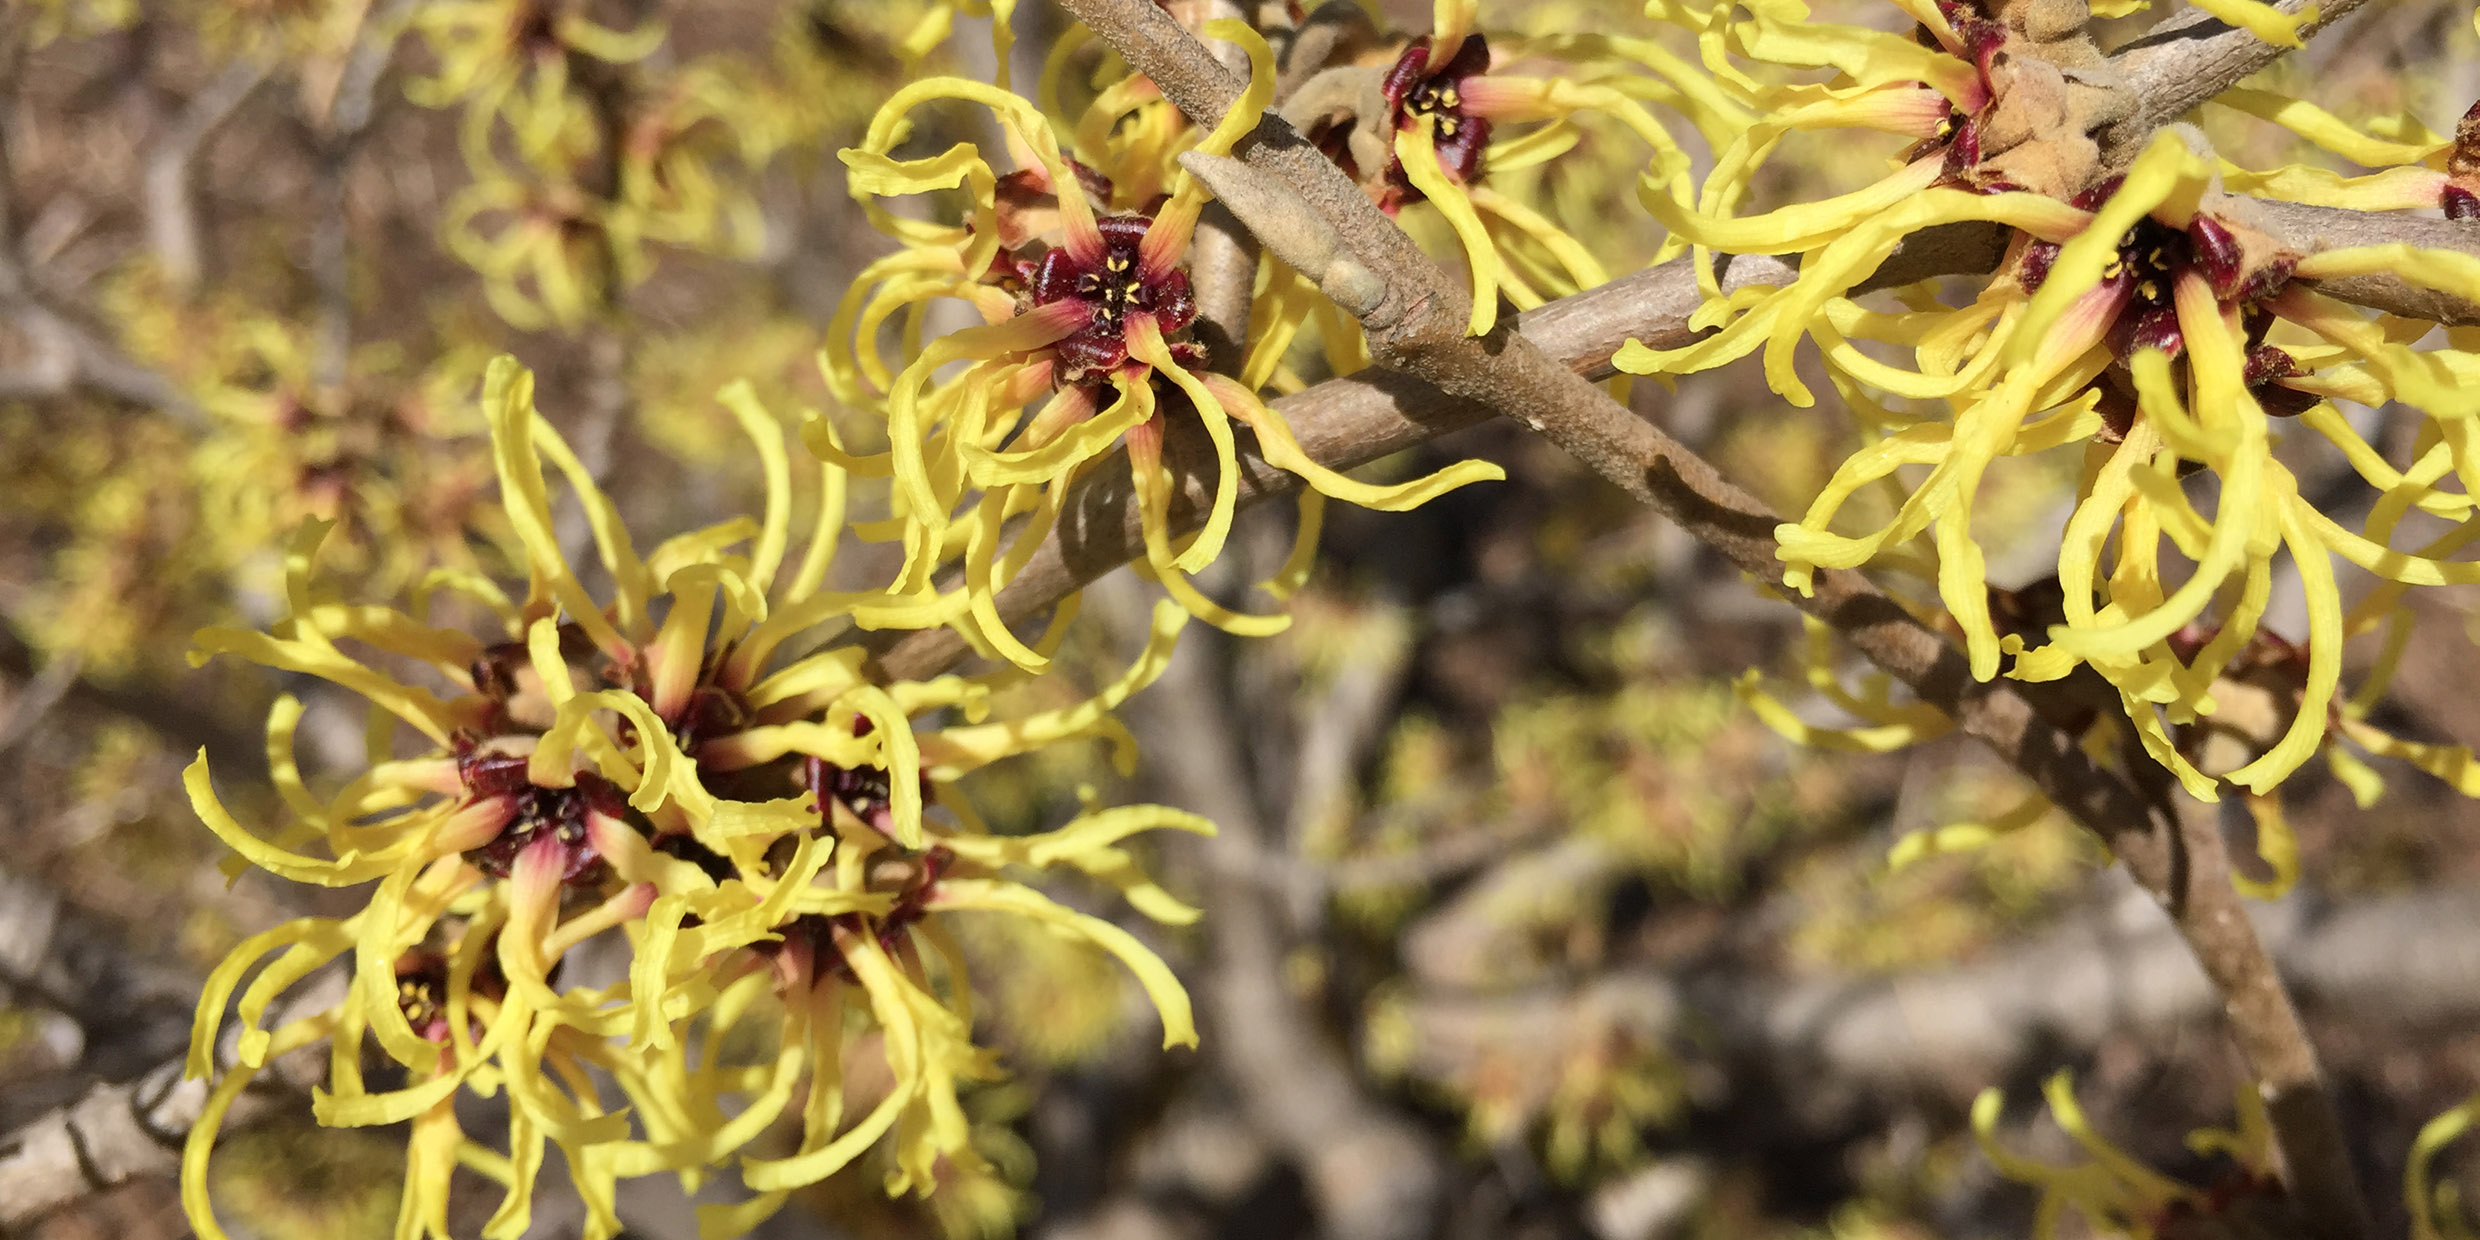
1115 286
914 877
712 712
2149 261
559 813
2238 1202
864 791
422 991
534 29
2463 169
1418 94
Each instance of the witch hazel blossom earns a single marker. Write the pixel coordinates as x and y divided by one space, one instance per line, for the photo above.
1429 128
2152 257
2141 314
1107 278
1446 92
1088 347
778 842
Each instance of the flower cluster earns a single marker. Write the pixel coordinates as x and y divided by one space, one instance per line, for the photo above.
584 151
1435 126
156 525
1075 261
2144 317
777 844
656 861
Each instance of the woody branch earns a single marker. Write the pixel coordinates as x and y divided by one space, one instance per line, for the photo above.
1414 313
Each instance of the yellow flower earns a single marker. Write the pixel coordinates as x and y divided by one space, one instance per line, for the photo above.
511 60
1431 128
2437 1210
399 478
1090 308
639 764
156 524
2115 1194
548 252
2149 320
675 185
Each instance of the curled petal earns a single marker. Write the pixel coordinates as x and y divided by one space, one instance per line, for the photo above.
1170 998
1417 148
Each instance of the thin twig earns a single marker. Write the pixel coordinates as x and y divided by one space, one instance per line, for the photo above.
2264 1024
1341 423
36 697
16 23
2070 990
171 161
349 115
69 355
115 1133
605 403
135 1007
182 724
1374 1175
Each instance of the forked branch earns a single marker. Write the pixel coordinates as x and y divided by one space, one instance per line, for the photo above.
1414 315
